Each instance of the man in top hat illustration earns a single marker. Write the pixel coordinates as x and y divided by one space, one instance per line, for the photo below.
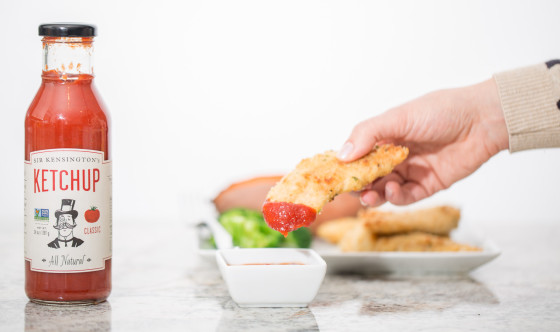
65 223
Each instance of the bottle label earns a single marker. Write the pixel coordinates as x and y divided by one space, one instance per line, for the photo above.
67 211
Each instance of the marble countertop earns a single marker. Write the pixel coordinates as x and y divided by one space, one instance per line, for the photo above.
161 284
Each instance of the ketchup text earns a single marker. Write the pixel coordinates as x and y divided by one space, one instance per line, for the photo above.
62 180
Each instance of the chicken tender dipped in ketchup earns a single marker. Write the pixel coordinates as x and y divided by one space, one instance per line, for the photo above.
296 200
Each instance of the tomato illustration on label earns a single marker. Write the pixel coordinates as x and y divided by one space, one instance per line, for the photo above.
92 215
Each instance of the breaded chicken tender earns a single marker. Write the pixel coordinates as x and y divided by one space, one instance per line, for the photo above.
358 238
438 220
418 241
301 194
333 230
374 230
316 181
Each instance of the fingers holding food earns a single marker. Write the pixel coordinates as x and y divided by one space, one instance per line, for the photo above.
372 198
295 201
405 193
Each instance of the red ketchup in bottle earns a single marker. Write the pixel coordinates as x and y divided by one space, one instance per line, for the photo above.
67 174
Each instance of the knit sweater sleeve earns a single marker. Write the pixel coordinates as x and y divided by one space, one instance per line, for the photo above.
530 100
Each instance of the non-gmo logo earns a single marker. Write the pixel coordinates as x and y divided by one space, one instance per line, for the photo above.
41 214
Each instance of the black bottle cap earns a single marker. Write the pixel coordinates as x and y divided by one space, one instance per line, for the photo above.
66 30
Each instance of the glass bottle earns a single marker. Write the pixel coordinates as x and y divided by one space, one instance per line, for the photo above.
68 204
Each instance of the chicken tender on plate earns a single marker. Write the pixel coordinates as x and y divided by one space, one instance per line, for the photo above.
418 241
358 238
438 220
361 239
301 194
333 230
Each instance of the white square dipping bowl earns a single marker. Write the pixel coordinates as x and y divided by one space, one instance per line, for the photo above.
271 277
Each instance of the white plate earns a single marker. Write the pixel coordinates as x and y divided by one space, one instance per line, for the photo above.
400 262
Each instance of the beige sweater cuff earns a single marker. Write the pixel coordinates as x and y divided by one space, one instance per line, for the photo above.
530 101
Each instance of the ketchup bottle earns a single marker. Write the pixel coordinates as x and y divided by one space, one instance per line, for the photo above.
67 209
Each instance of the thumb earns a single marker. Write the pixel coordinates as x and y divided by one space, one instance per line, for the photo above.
388 126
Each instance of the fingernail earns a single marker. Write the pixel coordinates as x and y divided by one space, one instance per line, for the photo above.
345 151
388 193
364 204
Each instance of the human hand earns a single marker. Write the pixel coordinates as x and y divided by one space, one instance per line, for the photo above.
450 133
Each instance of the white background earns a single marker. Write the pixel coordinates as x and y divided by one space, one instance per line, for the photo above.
202 93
